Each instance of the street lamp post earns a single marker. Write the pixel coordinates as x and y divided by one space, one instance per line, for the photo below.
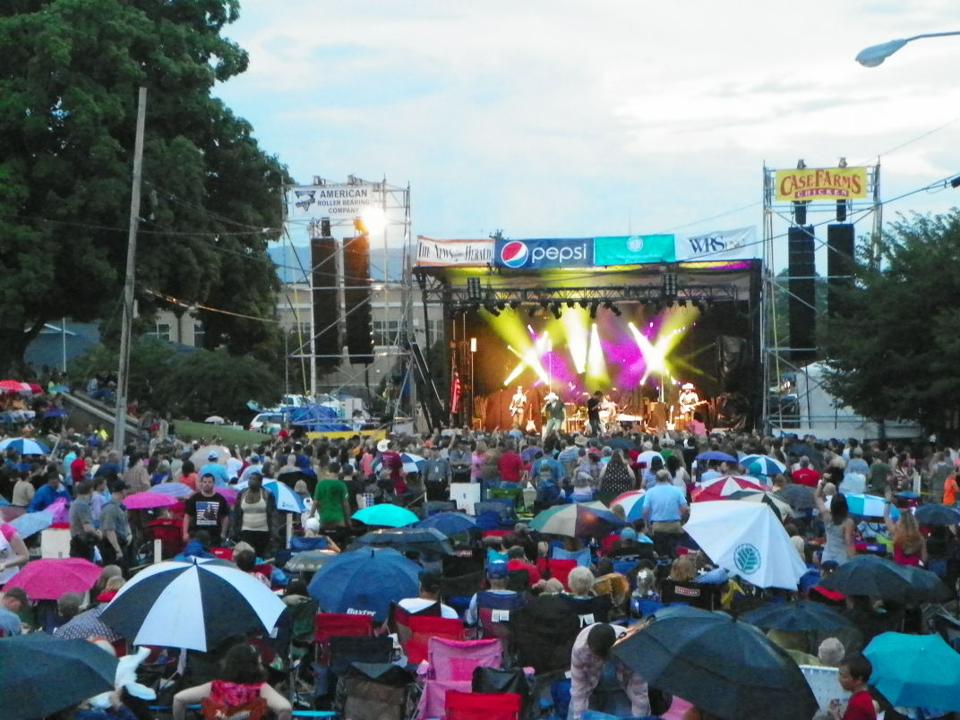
876 54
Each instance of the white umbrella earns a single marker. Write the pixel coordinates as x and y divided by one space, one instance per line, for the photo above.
748 540
201 456
191 605
215 420
647 456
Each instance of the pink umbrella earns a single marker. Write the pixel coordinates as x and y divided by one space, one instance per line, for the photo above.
229 494
49 579
148 501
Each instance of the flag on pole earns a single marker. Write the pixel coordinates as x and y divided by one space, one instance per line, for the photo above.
455 393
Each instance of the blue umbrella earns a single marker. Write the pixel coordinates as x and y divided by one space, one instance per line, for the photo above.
386 515
712 455
24 446
32 523
933 514
915 671
763 465
449 523
173 489
287 499
4 502
411 538
365 582
869 506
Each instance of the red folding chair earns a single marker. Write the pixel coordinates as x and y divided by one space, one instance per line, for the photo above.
331 625
482 706
560 569
414 632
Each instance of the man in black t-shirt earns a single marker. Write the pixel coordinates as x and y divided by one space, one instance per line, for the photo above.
206 510
593 412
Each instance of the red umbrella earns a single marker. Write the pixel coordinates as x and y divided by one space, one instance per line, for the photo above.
148 501
36 389
722 487
49 579
13 386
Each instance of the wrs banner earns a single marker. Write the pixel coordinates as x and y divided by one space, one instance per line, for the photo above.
720 245
813 184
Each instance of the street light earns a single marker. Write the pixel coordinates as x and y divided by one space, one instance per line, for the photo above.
876 54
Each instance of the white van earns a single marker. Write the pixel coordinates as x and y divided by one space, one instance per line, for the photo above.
269 423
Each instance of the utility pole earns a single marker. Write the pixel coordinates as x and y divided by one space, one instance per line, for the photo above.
126 329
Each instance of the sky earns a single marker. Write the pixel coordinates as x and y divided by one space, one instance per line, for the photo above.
572 118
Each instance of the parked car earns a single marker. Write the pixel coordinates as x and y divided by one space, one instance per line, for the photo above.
269 423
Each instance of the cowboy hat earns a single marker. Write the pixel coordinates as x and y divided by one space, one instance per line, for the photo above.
383 445
551 396
687 386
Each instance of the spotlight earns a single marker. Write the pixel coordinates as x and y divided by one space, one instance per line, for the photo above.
555 309
491 308
501 305
584 304
682 302
612 308
594 306
669 285
571 304
514 304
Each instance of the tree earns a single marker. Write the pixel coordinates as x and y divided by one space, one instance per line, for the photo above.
68 93
895 353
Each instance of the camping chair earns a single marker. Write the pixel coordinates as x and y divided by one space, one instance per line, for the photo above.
581 557
560 569
496 612
330 625
705 597
301 624
414 631
545 631
457 590
432 507
450 667
482 706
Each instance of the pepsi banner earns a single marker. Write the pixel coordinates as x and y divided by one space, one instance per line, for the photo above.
544 254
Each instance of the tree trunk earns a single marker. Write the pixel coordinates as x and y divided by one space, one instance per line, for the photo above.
13 346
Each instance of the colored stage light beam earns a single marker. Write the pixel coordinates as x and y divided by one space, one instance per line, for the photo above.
655 353
530 358
575 328
596 363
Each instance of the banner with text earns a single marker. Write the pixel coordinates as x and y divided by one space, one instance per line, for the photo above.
337 202
821 184
544 253
439 253
634 250
737 244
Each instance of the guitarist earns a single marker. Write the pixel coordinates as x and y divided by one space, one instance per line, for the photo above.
517 403
689 400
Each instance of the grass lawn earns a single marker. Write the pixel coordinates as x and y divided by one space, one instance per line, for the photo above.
228 434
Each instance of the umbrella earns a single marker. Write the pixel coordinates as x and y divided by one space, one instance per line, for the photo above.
411 463
43 674
449 523
868 506
215 420
386 515
32 523
173 489
287 499
88 625
803 616
881 578
801 448
14 386
632 504
421 539
748 540
54 413
192 605
716 662
200 457
4 502
725 486
763 465
309 560
24 446
577 520
51 578
365 582
716 455
647 456
927 585
148 500
799 497
779 506
937 515
915 671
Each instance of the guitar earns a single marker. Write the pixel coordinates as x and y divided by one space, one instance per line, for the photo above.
516 406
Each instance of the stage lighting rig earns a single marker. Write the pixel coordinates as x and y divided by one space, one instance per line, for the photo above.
514 304
474 291
491 308
594 306
556 309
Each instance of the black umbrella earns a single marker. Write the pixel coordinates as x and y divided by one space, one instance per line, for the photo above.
408 538
880 578
799 497
801 448
803 616
717 663
937 515
43 674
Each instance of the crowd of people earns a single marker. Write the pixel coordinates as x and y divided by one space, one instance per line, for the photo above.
617 582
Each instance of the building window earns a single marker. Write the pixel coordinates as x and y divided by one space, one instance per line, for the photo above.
385 332
162 331
199 334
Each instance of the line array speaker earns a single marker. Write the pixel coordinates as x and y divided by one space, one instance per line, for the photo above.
802 301
357 296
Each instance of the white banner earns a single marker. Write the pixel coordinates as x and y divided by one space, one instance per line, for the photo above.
738 244
453 252
337 202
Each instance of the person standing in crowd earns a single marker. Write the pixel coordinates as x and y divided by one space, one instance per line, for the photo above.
510 464
428 597
115 527
255 515
13 602
664 507
137 477
83 535
615 479
854 674
909 545
207 510
51 491
23 491
13 552
950 489
213 468
805 475
331 501
436 475
838 527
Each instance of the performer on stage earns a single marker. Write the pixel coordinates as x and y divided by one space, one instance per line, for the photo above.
554 413
593 412
517 404
689 401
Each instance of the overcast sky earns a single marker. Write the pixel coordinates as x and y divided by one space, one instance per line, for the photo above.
569 118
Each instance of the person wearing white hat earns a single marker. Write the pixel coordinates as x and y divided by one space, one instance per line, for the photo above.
554 414
689 400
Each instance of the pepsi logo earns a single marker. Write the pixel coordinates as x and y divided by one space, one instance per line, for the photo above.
514 254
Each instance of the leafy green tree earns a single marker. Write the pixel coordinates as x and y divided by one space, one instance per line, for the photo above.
150 360
895 353
68 94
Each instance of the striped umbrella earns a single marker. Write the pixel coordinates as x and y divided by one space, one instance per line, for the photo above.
577 520
763 465
869 506
725 486
632 504
192 605
779 506
24 446
411 463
